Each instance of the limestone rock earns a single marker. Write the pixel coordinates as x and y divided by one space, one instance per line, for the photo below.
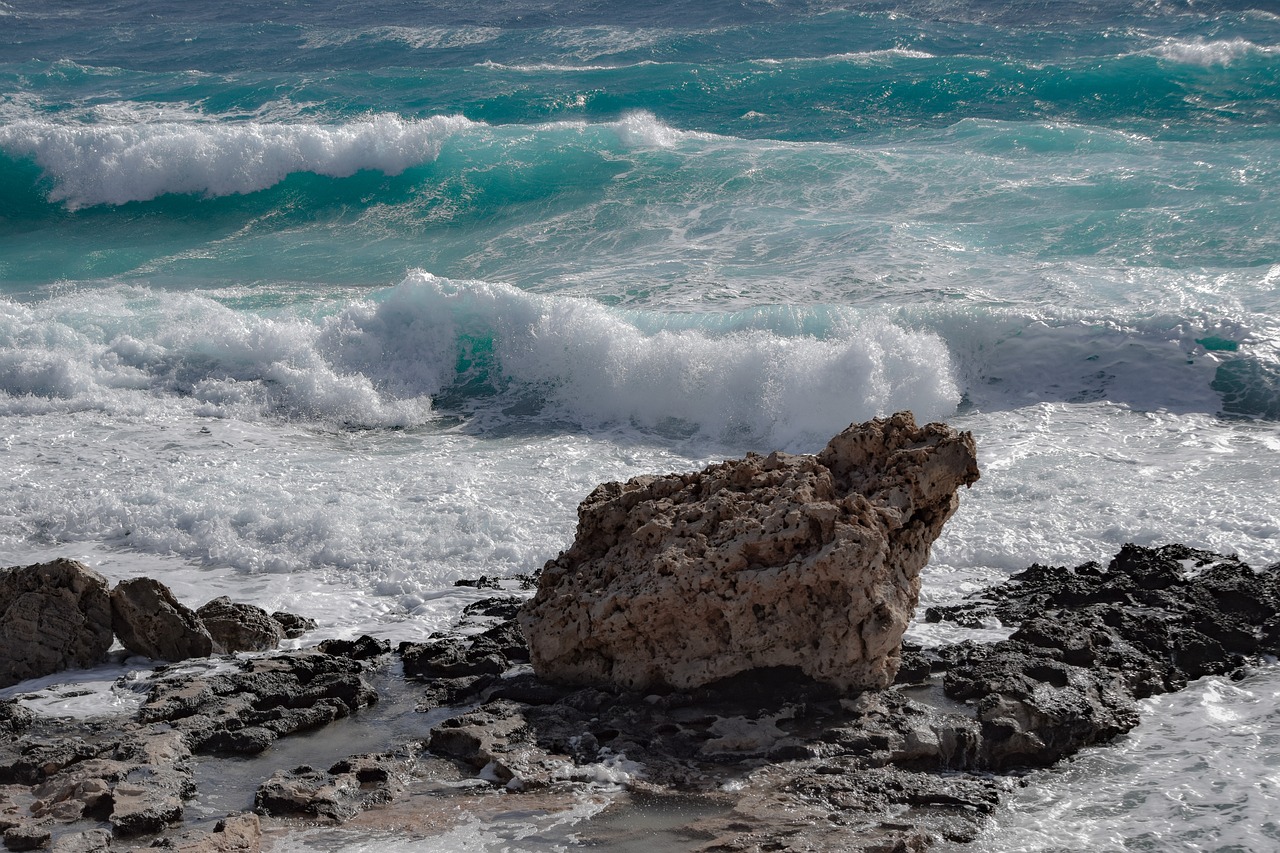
14 718
89 841
347 788
53 616
784 560
240 833
27 835
294 626
150 621
237 627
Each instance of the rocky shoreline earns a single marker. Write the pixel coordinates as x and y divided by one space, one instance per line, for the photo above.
771 760
723 647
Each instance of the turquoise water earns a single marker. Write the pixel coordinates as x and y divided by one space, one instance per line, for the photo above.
327 305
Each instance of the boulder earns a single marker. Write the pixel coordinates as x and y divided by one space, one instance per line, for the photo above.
53 616
238 627
150 621
294 626
811 562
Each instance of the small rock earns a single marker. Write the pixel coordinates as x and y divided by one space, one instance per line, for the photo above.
240 627
347 788
361 648
90 841
294 626
27 836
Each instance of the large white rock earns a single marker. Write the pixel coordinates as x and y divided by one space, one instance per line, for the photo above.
781 560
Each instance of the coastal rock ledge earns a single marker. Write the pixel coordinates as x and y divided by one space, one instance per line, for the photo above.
798 561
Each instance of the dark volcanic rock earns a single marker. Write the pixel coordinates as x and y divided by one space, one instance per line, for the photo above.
890 770
1092 640
294 626
150 621
53 616
14 719
267 698
239 627
361 648
135 775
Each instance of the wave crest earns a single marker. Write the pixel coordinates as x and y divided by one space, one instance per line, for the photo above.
481 350
119 163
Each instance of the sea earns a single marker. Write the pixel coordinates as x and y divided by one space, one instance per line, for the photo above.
325 306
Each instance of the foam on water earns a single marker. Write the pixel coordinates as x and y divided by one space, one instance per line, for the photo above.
1199 773
380 363
116 164
1209 53
663 234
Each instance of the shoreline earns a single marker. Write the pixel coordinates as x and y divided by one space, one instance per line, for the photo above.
783 751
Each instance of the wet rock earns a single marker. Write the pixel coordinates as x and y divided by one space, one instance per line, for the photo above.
293 625
345 789
137 783
361 648
32 759
246 710
1093 639
14 718
28 835
90 841
482 582
81 790
238 627
1036 710
802 561
150 621
146 801
498 744
53 616
240 833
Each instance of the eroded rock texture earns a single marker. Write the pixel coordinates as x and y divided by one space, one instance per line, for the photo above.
53 616
781 560
238 627
150 621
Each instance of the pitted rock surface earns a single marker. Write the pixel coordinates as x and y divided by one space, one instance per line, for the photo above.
150 621
788 560
237 627
53 616
246 710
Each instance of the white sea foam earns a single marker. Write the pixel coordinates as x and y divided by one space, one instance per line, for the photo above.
418 38
119 163
1197 774
113 351
540 67
642 129
585 44
120 153
379 363
1209 52
861 57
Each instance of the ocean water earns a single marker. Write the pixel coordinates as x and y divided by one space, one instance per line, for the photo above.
324 306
